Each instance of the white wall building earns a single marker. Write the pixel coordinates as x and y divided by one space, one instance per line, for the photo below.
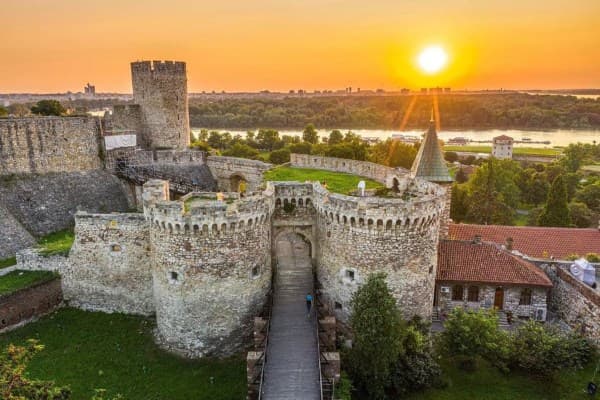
502 147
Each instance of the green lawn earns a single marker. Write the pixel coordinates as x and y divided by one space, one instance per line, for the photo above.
57 243
17 280
116 352
8 262
487 383
337 182
530 151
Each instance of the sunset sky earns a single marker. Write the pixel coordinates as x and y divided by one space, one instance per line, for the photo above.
250 45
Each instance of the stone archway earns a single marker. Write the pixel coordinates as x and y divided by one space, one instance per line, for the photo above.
238 183
303 232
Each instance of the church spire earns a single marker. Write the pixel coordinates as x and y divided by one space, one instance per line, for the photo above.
430 164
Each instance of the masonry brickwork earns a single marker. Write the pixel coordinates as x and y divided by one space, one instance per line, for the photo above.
230 171
14 235
160 89
49 144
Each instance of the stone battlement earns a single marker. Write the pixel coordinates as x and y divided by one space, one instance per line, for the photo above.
158 67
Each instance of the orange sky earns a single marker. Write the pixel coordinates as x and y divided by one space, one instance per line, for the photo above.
250 45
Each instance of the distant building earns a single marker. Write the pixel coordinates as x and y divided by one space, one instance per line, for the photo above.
404 91
423 90
89 89
502 147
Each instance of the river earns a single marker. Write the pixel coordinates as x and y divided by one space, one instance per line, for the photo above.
556 137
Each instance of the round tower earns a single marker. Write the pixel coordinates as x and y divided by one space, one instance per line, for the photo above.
160 89
211 270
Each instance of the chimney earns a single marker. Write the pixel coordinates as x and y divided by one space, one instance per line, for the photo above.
509 243
477 239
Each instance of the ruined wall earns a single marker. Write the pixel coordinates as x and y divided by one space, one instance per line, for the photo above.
212 271
29 303
359 236
376 172
126 118
30 259
14 235
575 302
110 264
47 203
229 170
49 144
160 88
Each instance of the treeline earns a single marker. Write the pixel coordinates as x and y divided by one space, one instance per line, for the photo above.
476 111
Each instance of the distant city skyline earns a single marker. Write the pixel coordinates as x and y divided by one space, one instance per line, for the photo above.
249 46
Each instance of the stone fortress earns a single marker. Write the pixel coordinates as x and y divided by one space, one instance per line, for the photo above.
204 266
161 230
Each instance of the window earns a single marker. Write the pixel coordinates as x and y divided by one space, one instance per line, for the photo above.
115 247
457 293
473 293
255 271
525 299
349 274
173 276
338 306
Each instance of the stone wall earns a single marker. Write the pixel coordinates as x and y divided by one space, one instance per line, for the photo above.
31 260
376 172
228 171
160 88
47 203
14 235
49 144
110 264
126 118
358 236
512 296
575 302
29 303
212 271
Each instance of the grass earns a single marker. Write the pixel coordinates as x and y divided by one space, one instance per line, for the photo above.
8 262
529 151
337 182
116 352
490 384
56 243
17 280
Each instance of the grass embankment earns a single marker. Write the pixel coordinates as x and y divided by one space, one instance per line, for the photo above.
525 151
56 243
337 182
8 262
116 352
17 280
490 384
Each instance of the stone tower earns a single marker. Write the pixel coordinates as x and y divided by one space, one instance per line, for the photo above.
160 89
430 165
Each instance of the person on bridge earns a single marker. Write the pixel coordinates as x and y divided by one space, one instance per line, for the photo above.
309 303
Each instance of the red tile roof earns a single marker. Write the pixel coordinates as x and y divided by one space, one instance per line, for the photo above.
533 241
465 261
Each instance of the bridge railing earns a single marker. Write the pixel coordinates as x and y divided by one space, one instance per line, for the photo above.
266 343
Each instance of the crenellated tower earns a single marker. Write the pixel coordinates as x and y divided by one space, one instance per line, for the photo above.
160 90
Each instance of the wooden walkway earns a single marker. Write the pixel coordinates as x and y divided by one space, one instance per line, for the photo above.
292 367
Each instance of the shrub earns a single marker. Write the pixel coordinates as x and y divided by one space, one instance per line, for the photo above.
200 146
470 335
300 148
280 156
241 150
593 257
451 156
543 350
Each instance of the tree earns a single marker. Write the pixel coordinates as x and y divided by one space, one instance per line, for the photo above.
241 150
393 153
590 195
459 205
280 156
14 382
3 111
473 334
268 139
48 107
451 156
375 321
310 134
581 215
335 137
556 210
461 176
18 109
301 148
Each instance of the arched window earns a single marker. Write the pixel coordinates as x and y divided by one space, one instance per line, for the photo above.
525 299
457 293
473 294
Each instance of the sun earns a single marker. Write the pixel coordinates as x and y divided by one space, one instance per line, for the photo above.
432 59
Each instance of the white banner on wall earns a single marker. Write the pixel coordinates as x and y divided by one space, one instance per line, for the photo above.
117 141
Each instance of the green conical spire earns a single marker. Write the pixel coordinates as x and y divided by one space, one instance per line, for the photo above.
430 164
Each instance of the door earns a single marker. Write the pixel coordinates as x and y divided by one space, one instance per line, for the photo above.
499 299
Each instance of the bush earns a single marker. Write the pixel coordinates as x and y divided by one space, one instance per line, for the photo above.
593 257
543 350
451 156
241 150
200 146
281 156
48 107
470 335
300 148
